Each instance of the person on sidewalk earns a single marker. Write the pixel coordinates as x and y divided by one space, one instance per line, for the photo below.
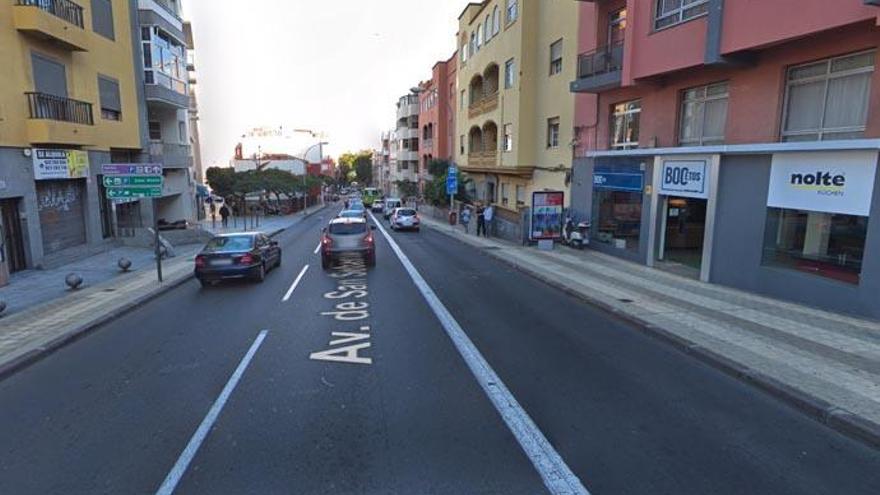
466 219
488 215
224 214
481 220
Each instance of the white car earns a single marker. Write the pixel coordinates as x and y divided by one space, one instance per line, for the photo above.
390 205
405 218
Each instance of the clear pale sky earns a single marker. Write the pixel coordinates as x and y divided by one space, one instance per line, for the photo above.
336 66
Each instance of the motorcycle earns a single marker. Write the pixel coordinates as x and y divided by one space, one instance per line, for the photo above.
576 235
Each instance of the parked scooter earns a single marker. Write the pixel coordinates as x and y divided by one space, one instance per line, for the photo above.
576 235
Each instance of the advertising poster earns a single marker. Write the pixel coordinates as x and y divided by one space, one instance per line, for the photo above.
60 164
547 210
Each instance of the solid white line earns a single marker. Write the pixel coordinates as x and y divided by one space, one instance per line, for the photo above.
317 248
557 476
295 283
179 469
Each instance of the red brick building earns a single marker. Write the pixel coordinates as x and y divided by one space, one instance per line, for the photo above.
437 116
705 130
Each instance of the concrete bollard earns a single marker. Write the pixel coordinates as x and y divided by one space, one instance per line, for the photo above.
73 281
124 264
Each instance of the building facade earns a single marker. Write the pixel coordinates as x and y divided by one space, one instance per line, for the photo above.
195 138
436 117
715 141
514 109
70 101
407 152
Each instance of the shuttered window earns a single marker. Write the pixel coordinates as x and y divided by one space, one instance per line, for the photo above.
111 105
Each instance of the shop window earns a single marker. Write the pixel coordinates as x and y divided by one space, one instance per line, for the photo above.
828 99
704 115
625 125
672 12
825 244
617 205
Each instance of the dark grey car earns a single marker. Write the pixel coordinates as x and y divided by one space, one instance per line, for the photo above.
347 236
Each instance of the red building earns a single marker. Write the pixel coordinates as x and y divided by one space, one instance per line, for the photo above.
698 123
437 116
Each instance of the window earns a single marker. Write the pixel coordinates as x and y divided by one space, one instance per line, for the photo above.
512 11
462 100
704 115
487 28
504 200
825 244
473 45
520 195
625 125
155 129
479 36
618 217
553 132
164 60
102 18
828 99
111 107
671 12
509 74
556 58
507 144
461 145
181 131
496 21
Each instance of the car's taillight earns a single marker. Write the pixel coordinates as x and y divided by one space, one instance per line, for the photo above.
200 261
247 259
368 238
326 241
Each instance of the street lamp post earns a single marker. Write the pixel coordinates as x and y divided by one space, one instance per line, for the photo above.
305 158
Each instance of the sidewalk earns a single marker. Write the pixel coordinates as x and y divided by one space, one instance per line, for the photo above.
56 316
826 364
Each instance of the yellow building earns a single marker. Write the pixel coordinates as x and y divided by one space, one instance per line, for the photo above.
69 97
515 112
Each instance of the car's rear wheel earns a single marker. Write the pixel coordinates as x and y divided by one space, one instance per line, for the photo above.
326 262
261 273
371 260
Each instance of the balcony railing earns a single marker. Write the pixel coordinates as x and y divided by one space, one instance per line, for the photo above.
63 9
603 60
483 159
50 107
485 104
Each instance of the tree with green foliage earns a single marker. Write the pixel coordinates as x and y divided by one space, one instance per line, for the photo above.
435 190
407 188
359 164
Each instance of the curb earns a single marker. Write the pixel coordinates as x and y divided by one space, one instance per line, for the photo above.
34 355
836 418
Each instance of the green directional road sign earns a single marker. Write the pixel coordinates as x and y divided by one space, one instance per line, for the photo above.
132 180
134 192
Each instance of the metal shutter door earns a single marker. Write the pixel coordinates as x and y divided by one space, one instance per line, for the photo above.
62 213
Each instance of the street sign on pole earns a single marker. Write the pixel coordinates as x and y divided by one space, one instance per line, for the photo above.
132 180
452 180
134 192
132 169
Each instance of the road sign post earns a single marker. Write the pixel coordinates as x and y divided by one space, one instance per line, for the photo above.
451 189
128 181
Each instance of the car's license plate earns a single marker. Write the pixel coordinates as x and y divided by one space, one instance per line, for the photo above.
221 262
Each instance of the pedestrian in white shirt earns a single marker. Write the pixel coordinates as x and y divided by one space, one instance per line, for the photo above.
488 214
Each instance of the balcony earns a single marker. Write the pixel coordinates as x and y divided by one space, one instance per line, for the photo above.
599 70
58 120
171 155
427 144
60 21
486 104
483 159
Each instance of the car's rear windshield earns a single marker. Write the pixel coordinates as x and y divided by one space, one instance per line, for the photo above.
404 212
351 214
348 228
230 243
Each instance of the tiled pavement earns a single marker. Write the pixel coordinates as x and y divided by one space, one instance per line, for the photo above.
825 363
56 318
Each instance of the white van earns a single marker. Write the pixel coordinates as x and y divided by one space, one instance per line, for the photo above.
390 205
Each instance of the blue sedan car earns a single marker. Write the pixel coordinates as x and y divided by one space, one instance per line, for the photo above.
237 256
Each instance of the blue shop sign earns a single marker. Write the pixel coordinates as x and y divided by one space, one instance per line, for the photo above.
619 181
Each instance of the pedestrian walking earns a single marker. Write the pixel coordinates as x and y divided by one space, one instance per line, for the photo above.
466 219
213 209
224 214
481 220
488 216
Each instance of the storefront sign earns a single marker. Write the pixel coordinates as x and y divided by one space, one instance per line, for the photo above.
832 182
619 181
60 164
547 215
685 178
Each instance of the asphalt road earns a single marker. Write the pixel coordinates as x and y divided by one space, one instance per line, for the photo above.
359 389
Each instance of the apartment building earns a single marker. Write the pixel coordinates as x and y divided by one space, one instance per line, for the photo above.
437 116
382 162
166 76
515 112
195 139
715 140
70 101
407 146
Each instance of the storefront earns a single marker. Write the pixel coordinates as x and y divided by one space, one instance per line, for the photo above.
60 182
619 207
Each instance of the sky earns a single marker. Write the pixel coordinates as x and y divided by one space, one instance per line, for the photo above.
333 66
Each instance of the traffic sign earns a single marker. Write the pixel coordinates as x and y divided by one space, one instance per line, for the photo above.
134 192
132 169
132 180
451 184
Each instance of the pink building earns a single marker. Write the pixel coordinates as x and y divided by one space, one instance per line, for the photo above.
706 130
437 116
